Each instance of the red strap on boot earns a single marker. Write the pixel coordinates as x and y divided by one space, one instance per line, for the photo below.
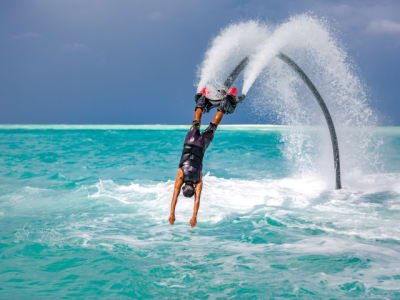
233 92
204 91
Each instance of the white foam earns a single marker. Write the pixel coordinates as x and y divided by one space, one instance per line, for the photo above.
220 197
329 245
305 196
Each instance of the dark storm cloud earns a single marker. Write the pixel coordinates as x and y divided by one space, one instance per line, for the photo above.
135 61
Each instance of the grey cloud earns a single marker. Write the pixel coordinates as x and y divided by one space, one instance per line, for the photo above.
26 36
155 16
362 16
383 27
76 47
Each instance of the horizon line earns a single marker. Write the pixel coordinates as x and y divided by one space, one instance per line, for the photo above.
258 127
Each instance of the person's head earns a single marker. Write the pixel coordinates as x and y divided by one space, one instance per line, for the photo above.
188 189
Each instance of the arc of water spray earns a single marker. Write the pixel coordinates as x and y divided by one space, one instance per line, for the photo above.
335 146
325 110
318 97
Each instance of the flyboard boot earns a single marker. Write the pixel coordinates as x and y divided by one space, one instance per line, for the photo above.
214 99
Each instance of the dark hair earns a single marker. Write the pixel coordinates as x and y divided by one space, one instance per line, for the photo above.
188 190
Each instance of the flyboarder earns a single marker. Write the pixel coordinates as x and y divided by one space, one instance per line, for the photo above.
195 144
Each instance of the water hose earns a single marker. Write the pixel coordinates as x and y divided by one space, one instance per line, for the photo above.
325 110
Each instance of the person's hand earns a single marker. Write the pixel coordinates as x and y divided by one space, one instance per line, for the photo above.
193 222
228 104
171 219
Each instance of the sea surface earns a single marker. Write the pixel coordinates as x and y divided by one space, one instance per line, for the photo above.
84 213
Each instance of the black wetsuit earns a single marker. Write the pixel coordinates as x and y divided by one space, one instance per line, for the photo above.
194 147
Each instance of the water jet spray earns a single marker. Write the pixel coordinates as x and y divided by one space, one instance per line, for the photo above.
309 41
324 108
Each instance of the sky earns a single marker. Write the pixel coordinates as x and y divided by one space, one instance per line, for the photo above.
135 61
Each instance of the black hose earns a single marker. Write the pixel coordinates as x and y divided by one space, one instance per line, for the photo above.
325 110
235 73
229 81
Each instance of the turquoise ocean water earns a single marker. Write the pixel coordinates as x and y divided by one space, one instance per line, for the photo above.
84 213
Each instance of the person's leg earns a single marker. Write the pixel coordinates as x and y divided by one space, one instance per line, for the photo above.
208 133
197 114
218 117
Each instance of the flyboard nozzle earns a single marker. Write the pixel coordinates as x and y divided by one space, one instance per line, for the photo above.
241 98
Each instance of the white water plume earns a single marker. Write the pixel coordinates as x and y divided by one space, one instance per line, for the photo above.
227 49
281 93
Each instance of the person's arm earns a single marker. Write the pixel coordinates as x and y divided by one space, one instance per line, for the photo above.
177 190
199 187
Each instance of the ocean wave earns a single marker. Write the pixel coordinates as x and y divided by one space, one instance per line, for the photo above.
263 228
351 211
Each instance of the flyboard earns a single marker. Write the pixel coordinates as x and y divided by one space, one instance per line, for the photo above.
215 101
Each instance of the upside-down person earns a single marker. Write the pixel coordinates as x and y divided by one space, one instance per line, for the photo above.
191 163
